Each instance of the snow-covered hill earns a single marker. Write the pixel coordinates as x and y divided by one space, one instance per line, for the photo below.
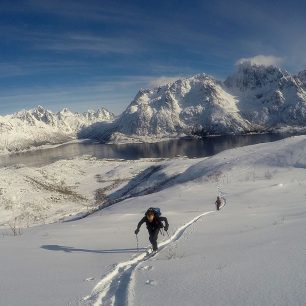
252 252
39 126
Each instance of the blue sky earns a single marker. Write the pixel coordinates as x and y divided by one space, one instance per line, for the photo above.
87 54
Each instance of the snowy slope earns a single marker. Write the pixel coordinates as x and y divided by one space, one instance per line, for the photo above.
39 126
252 252
39 195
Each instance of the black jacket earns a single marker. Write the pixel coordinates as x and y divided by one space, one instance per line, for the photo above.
155 224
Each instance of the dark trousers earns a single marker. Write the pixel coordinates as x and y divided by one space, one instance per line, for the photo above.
153 235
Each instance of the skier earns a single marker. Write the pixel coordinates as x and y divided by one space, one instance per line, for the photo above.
154 224
218 203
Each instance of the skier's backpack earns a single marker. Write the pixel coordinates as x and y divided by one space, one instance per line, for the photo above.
156 211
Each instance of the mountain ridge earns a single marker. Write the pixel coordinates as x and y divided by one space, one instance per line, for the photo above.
38 126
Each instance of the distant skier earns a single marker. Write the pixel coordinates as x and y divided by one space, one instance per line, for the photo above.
154 223
218 203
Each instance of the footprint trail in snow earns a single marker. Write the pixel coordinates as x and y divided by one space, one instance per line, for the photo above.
114 288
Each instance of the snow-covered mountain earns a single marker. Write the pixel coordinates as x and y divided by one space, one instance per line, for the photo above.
268 96
39 126
193 104
66 119
254 98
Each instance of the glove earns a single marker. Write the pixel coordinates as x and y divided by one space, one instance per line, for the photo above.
166 228
136 231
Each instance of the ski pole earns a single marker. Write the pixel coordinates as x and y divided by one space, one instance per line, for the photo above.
137 243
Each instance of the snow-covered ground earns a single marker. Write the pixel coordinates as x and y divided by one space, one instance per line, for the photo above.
37 195
252 252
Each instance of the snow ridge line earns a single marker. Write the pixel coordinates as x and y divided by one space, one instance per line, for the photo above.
115 284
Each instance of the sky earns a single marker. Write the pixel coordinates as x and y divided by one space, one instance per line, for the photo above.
88 54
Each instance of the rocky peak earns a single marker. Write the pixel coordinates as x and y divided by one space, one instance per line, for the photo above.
101 113
249 77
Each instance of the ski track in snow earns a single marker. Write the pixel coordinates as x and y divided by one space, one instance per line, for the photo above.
116 288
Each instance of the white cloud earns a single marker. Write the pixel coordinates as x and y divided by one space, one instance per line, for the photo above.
163 80
261 60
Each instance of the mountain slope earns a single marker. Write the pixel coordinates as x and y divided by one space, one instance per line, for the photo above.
252 252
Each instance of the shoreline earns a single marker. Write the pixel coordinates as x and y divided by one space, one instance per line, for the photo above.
289 131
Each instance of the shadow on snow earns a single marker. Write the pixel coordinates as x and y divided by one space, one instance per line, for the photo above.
67 249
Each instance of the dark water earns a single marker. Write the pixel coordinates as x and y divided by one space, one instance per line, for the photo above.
171 148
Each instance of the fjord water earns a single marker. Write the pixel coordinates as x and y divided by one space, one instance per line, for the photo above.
190 147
